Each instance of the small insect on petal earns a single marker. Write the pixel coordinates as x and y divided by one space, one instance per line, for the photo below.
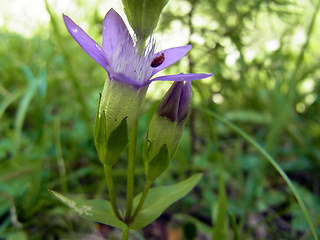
157 61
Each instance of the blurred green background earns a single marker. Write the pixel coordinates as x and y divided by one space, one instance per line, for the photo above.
266 60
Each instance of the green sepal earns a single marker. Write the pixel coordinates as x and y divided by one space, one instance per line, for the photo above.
97 122
159 199
158 164
162 131
100 138
100 134
109 148
94 210
143 15
117 142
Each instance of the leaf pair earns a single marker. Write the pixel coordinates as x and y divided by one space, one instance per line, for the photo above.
157 201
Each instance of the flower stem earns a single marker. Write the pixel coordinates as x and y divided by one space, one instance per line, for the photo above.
125 234
110 186
142 199
130 172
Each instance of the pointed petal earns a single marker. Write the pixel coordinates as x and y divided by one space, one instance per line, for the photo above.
184 101
86 42
114 30
171 56
182 77
169 105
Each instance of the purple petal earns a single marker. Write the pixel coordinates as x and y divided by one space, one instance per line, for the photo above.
171 56
119 77
169 105
114 30
86 42
184 101
182 77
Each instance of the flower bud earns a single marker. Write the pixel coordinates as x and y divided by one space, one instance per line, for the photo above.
166 128
143 15
175 104
118 111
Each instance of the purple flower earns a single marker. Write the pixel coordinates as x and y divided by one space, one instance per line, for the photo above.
166 128
175 104
121 57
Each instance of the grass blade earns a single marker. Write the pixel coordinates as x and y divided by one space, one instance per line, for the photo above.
220 230
273 163
10 99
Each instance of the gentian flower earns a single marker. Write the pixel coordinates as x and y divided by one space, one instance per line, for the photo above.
121 57
130 71
166 128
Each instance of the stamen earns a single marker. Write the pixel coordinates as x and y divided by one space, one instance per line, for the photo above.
128 59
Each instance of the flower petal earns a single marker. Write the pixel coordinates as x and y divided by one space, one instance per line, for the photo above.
171 56
86 42
119 77
184 101
182 77
114 30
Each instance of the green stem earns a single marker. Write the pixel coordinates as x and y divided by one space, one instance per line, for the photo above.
60 160
130 173
142 199
110 186
272 161
125 234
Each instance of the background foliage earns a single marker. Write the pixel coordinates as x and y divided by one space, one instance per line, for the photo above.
265 56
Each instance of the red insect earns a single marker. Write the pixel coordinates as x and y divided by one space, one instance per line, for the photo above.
157 61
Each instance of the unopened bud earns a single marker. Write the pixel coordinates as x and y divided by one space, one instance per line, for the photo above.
143 15
166 128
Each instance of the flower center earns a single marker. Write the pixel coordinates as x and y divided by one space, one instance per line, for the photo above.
130 60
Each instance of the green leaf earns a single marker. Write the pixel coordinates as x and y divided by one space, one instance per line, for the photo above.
160 198
23 107
158 164
18 235
220 220
94 210
234 227
5 103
